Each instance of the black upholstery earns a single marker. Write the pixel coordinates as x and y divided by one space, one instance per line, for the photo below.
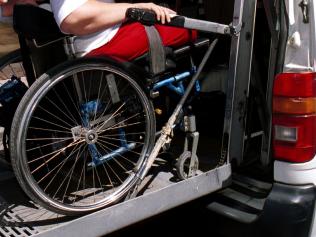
35 23
36 27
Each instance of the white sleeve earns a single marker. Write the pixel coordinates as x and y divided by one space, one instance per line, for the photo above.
62 8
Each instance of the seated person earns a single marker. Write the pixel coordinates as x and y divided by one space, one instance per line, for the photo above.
102 29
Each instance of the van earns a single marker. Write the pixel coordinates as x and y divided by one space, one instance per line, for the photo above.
273 133
257 110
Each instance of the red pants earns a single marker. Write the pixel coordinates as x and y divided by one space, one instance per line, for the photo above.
131 41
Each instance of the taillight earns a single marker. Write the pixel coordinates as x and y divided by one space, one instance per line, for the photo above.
294 117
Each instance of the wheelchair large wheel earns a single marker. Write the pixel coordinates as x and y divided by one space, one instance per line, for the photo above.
11 65
81 136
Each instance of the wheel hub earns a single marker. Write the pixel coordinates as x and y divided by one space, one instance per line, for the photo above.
91 137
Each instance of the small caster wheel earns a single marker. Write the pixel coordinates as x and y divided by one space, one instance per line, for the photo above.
183 166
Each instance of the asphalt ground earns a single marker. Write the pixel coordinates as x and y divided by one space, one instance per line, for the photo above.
8 43
8 39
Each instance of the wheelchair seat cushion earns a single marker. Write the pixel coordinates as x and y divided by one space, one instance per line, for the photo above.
33 22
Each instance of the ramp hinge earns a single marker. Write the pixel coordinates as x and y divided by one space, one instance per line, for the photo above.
235 30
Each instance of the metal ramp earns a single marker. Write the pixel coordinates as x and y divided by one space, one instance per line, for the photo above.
145 206
160 192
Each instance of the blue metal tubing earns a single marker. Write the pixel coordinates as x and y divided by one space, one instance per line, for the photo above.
125 147
112 155
173 79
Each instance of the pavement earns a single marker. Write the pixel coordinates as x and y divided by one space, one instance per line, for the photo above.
4 165
8 43
8 39
5 168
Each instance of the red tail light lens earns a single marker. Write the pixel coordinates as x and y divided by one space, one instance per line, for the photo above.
295 85
294 117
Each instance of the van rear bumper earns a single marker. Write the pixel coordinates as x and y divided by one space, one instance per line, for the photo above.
288 211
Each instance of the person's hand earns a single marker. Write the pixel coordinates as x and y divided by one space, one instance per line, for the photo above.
163 13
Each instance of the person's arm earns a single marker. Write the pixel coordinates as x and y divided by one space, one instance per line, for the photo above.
94 16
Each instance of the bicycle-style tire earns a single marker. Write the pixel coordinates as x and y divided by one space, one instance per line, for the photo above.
11 65
81 136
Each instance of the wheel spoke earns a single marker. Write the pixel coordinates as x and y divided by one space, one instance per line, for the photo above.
71 118
71 172
60 165
115 114
56 153
116 160
52 123
98 96
61 120
47 130
76 105
123 121
68 174
117 146
49 144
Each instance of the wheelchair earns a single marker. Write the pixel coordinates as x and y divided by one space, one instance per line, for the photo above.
82 133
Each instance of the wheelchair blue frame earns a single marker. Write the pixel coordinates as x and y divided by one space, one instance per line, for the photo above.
179 78
174 83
